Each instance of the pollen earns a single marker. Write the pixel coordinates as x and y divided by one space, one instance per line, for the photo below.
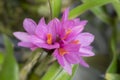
62 51
49 38
67 33
75 42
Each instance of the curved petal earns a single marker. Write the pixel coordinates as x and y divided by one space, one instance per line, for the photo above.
26 44
29 25
71 47
83 63
35 39
65 15
58 57
72 58
67 66
86 52
85 39
22 36
42 44
78 28
33 48
41 30
52 28
47 46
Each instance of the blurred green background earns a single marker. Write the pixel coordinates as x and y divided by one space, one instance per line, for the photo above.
103 21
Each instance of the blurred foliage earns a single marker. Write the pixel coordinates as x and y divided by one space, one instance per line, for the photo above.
9 69
39 66
12 13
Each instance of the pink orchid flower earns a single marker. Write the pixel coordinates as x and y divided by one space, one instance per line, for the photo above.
70 44
74 43
41 35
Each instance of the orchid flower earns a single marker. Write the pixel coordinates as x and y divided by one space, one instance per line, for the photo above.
65 37
75 44
41 35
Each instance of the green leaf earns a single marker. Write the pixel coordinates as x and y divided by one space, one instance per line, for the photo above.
9 68
33 59
113 66
86 6
1 58
52 72
65 76
55 6
55 72
102 15
116 5
110 76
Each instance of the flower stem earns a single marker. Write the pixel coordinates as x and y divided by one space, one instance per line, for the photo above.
29 65
50 10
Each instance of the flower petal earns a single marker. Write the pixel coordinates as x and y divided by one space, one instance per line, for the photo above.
29 25
83 63
67 67
33 48
35 39
42 44
65 15
72 58
47 46
26 44
59 28
85 39
22 36
58 57
78 28
71 47
41 29
52 28
84 51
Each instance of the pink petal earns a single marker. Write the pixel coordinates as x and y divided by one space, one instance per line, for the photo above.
22 36
72 58
86 52
35 39
67 67
85 39
83 63
42 44
26 44
58 57
41 29
33 48
29 25
58 26
47 46
78 28
75 29
71 47
65 15
52 28
76 21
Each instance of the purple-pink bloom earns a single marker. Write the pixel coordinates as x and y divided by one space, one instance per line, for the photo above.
66 37
42 35
75 44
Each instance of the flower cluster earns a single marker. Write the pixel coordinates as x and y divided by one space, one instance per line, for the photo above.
70 44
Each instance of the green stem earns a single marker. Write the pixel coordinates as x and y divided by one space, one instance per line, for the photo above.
50 10
30 64
113 66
